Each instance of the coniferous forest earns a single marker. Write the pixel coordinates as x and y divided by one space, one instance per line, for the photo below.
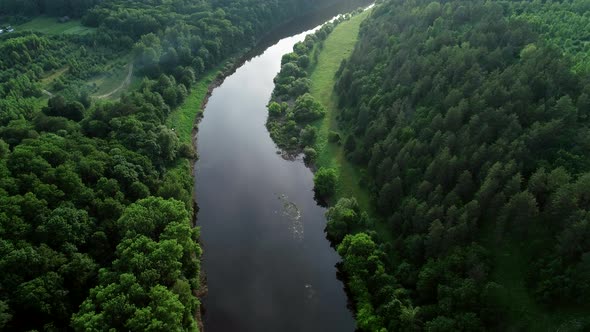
471 121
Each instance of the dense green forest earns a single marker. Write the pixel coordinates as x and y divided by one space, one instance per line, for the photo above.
96 228
470 120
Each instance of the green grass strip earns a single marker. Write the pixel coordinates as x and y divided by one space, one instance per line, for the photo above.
182 119
337 47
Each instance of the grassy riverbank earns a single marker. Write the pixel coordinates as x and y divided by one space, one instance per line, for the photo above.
337 47
182 119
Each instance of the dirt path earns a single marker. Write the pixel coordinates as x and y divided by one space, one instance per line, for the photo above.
123 85
47 93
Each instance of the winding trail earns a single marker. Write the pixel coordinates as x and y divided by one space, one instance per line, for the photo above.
123 85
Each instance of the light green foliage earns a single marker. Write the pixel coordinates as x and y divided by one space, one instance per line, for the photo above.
337 47
307 109
125 304
325 182
293 84
343 218
150 216
157 253
310 155
274 109
564 23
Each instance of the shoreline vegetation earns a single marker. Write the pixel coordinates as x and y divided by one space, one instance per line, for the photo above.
306 85
180 121
303 110
185 121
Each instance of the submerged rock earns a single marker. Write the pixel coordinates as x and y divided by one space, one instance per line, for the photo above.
291 211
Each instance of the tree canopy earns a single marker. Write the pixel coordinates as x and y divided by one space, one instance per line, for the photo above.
470 120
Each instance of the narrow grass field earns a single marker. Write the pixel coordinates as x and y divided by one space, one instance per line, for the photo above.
337 47
51 26
182 119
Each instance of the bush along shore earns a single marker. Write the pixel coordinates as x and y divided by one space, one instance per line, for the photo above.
292 110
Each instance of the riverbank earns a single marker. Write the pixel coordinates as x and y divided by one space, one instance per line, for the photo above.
337 47
185 122
288 279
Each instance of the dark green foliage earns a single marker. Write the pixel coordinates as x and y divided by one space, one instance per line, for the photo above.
471 125
310 155
334 137
344 218
307 109
57 106
308 135
324 182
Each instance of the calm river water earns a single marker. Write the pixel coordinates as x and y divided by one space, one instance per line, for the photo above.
268 264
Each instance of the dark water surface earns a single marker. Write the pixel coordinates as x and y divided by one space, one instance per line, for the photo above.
268 264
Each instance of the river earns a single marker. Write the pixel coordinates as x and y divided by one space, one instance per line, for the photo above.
269 266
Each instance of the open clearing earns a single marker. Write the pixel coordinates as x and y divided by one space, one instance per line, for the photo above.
124 83
117 78
51 26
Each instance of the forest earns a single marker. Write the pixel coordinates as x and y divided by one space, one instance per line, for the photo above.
469 120
96 224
